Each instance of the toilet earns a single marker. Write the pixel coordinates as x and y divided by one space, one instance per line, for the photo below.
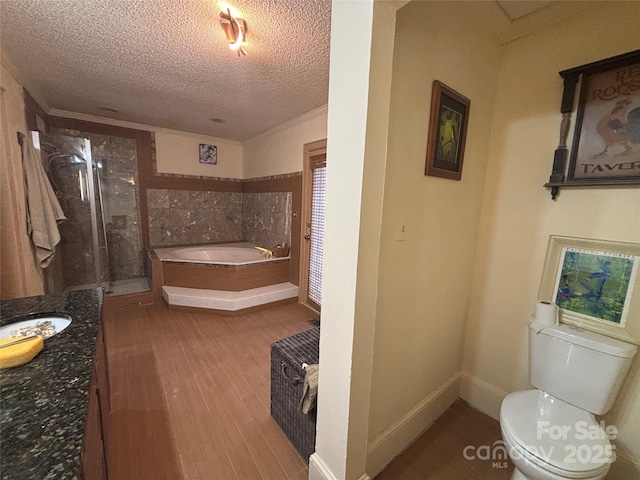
551 432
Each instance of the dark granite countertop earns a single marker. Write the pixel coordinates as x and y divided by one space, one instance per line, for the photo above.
43 404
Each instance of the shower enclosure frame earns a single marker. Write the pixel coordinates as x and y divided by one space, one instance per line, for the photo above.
93 211
144 147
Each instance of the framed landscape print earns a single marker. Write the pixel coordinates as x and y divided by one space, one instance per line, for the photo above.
594 284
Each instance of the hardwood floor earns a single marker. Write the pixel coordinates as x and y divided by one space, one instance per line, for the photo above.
190 399
190 395
439 454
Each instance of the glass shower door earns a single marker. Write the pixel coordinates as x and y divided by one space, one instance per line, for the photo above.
81 257
116 160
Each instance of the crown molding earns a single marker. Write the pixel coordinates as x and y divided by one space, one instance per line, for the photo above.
137 126
305 117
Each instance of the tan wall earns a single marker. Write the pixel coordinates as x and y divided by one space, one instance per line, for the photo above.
279 150
177 153
518 215
425 274
19 275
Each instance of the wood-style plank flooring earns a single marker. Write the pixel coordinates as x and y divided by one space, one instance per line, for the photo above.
190 397
439 454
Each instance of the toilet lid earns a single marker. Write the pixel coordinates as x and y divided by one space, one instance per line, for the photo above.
565 439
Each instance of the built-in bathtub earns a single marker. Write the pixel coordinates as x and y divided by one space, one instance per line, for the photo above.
225 277
227 254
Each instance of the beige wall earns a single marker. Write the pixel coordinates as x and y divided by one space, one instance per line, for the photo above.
279 150
518 215
425 274
274 152
19 275
177 153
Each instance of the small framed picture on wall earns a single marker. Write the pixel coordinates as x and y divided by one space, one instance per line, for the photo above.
448 123
208 154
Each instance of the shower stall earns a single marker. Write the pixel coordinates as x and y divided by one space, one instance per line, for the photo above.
101 240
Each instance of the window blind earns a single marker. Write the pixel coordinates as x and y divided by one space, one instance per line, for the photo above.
317 231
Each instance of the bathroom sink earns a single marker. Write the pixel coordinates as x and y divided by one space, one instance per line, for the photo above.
46 324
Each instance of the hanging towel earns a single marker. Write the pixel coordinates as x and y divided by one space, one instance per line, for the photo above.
310 389
43 209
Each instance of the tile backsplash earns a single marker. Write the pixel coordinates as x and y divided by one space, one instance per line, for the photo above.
192 217
266 218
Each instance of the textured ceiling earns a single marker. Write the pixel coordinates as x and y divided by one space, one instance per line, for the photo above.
166 63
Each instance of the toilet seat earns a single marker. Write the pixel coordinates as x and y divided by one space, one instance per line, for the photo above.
556 436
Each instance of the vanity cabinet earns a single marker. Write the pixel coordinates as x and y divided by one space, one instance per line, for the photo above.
95 436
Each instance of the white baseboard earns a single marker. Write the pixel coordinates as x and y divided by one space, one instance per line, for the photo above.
481 395
625 467
318 470
403 433
398 436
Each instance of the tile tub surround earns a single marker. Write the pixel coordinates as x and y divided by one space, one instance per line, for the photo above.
181 217
224 277
224 287
185 217
44 403
266 218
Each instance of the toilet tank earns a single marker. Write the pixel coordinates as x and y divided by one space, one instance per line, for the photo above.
580 367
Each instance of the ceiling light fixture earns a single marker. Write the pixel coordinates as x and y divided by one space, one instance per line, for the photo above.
235 30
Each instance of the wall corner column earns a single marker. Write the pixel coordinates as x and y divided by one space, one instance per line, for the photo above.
357 131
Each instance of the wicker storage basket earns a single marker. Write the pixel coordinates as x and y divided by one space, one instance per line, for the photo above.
287 379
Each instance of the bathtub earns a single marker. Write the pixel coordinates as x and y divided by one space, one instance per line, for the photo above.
228 267
222 254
